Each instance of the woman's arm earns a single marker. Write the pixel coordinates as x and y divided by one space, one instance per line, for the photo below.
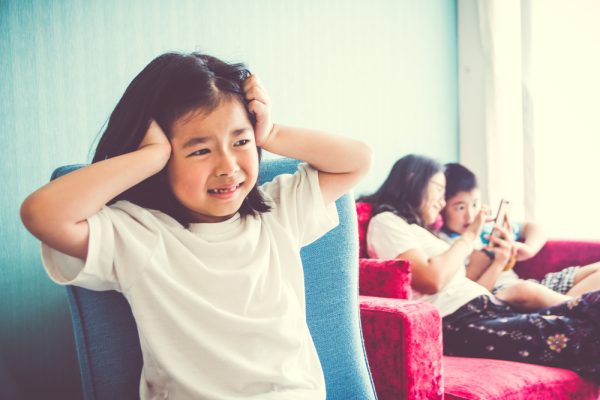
431 274
341 161
57 213
485 270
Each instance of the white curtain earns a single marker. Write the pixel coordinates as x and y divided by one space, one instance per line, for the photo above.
538 118
503 107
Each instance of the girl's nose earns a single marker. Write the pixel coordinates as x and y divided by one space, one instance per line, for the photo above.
227 165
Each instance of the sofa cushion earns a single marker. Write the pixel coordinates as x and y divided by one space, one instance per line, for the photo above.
485 379
363 213
385 278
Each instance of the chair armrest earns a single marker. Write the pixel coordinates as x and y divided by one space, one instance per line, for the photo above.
403 340
384 278
559 254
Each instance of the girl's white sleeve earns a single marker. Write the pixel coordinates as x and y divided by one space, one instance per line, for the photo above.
389 235
297 204
117 247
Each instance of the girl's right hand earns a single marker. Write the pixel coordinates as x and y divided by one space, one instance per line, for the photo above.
155 136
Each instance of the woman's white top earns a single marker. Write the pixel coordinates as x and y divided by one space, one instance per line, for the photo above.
220 307
388 236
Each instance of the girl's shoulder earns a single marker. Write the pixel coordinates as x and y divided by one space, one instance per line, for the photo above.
131 214
389 218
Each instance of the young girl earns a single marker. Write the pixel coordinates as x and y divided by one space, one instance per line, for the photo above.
170 214
463 201
475 323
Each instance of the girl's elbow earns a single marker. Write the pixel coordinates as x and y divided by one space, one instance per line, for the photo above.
32 214
430 286
28 213
366 159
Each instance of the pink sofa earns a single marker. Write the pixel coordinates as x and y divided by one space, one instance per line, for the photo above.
403 339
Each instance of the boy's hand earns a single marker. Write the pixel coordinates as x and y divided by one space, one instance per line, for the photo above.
155 136
523 251
477 225
259 104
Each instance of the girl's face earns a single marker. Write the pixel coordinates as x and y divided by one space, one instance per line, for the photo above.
433 201
214 163
461 210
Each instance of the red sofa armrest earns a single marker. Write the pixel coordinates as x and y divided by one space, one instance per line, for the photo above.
384 278
559 254
403 340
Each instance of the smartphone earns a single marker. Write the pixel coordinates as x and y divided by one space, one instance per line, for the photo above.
501 217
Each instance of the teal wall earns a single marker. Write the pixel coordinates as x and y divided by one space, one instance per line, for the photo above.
384 71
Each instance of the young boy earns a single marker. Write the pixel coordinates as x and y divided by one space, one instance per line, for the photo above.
463 201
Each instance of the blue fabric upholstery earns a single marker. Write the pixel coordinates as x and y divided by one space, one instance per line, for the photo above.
106 336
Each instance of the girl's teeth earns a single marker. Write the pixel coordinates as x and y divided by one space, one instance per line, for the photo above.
223 190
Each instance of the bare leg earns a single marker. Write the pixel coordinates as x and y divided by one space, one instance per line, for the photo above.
587 279
531 296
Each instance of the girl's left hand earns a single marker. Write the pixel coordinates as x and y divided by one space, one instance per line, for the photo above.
259 104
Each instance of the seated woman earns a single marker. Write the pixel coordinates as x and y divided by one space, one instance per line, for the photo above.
475 323
463 201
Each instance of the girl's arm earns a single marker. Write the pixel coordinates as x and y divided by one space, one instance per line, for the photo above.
341 161
57 213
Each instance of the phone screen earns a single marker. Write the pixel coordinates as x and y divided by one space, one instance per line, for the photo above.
501 217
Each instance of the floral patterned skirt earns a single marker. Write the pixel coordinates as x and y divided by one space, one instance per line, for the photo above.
566 335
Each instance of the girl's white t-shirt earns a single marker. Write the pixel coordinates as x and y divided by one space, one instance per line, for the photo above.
220 308
388 235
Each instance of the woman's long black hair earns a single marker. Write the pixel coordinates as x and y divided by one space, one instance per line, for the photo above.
403 190
172 85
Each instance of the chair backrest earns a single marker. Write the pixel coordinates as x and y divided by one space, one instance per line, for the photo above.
363 212
106 336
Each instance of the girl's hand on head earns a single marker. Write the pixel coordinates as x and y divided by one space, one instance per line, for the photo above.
155 136
259 104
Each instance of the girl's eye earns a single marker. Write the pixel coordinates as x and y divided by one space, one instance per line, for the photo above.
242 142
199 152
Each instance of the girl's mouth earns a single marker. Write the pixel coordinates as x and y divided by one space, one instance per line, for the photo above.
224 192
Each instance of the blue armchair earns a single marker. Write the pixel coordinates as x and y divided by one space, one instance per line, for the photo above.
106 336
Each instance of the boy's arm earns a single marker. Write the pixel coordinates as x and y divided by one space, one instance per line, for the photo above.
478 263
341 161
57 213
532 240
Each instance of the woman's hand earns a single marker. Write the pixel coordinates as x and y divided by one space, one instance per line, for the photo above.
155 137
502 246
259 104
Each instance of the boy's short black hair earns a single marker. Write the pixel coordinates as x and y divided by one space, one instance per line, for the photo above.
459 179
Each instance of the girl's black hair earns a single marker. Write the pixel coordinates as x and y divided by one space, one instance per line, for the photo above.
403 190
458 179
172 85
